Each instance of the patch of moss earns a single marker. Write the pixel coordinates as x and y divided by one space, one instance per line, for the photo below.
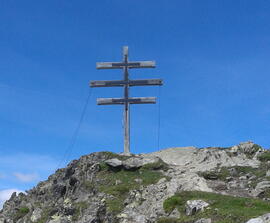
223 208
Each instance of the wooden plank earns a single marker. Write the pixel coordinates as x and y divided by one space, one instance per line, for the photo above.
121 65
145 82
121 101
120 83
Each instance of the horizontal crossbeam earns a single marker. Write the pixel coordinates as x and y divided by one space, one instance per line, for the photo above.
121 101
120 65
121 83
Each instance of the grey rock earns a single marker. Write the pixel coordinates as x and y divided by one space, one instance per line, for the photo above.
262 219
194 206
114 162
133 163
260 188
205 159
263 185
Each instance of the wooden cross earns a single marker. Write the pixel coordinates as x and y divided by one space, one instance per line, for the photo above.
126 83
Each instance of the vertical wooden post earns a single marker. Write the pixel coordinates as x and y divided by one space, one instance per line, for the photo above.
126 105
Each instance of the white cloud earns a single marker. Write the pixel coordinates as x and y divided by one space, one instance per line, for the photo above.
6 194
26 177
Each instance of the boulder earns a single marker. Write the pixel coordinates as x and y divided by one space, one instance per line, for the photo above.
114 162
262 219
194 206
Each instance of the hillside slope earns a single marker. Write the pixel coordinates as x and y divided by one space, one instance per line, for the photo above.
226 185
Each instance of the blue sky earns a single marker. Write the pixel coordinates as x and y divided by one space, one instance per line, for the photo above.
212 55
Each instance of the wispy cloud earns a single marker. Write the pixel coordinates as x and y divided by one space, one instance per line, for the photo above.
26 177
6 194
23 170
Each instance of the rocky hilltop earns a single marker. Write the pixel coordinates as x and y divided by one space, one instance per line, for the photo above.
189 185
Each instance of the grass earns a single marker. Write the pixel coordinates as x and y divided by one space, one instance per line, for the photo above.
223 208
126 180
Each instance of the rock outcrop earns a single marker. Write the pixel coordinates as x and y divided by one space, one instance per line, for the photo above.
172 185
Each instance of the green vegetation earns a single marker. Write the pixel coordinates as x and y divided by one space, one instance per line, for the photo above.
119 183
223 208
21 213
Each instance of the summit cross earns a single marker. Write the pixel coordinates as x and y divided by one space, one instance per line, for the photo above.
125 65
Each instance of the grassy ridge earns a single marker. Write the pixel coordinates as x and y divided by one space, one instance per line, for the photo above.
223 208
